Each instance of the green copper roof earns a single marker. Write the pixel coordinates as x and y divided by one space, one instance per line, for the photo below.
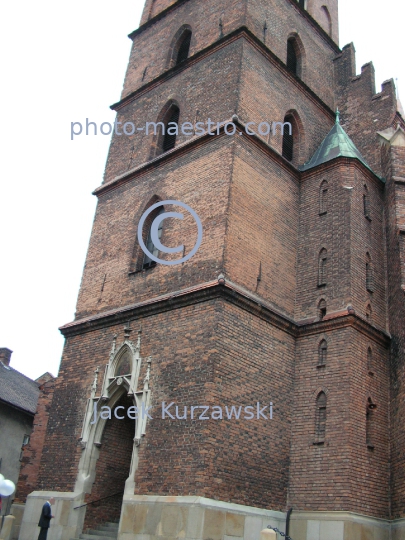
337 144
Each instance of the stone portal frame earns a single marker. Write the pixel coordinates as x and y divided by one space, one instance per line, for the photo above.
113 388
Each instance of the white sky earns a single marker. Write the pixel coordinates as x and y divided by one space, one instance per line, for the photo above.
63 62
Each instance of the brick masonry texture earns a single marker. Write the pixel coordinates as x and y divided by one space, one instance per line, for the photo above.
344 455
199 361
32 452
257 337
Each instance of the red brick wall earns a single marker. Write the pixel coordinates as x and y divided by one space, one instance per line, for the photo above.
348 236
262 227
210 353
190 179
363 112
32 452
152 44
342 474
393 161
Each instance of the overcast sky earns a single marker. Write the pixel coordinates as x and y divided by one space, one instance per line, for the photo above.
63 62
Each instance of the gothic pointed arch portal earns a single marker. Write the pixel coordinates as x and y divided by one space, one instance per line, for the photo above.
120 384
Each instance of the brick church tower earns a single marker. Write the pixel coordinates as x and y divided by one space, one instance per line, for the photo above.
295 296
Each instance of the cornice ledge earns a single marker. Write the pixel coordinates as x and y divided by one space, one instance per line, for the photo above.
347 161
233 293
174 6
196 140
344 319
204 292
232 36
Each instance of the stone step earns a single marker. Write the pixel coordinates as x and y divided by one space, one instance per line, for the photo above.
107 529
99 532
93 535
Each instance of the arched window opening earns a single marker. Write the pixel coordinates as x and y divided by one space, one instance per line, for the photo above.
369 312
369 274
322 353
323 198
322 267
292 56
320 418
370 423
171 129
322 310
147 261
295 61
288 138
366 203
183 47
370 365
326 20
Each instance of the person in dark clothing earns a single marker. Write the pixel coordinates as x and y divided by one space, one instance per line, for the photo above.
45 519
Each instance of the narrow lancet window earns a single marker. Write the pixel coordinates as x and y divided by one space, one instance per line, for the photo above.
322 267
320 419
147 261
171 129
183 47
322 353
323 198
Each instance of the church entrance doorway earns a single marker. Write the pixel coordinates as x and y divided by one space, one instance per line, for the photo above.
112 469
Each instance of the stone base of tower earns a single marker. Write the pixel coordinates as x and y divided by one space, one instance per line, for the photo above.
343 526
197 518
192 518
68 519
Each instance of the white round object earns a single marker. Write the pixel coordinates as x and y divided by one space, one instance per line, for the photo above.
7 488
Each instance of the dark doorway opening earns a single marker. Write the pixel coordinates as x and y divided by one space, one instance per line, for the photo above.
112 469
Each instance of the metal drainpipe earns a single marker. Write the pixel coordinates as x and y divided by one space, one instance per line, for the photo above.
287 523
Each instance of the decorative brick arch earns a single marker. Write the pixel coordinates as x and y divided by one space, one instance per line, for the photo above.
326 21
298 133
175 44
136 264
163 118
299 49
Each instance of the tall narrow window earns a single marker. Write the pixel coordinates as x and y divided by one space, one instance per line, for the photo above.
323 198
325 20
370 421
171 129
183 47
321 309
369 274
322 353
369 312
288 139
147 261
366 203
322 267
292 58
320 418
370 365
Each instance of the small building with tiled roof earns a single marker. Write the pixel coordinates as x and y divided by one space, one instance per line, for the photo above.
18 404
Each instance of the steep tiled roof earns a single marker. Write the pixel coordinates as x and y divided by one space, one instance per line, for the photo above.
18 390
336 144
